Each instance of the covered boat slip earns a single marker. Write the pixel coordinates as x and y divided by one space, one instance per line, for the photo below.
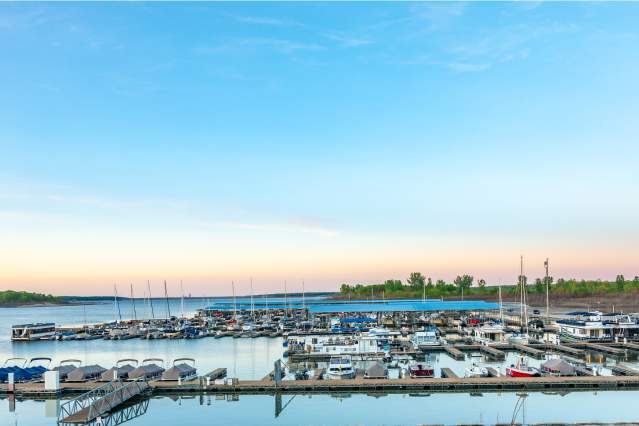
180 370
119 371
148 370
339 306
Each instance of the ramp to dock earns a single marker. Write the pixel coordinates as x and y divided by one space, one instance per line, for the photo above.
93 404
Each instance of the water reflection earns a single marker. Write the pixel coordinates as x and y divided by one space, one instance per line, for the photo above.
350 409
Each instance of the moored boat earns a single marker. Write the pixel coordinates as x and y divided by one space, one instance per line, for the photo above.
340 367
522 369
421 370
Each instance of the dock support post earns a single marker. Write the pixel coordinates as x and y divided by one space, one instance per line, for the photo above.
11 382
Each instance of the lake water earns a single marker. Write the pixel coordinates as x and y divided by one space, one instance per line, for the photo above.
357 409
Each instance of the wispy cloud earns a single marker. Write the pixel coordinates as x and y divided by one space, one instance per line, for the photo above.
467 67
261 20
346 41
275 44
286 227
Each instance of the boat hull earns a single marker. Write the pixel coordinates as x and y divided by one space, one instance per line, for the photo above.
516 372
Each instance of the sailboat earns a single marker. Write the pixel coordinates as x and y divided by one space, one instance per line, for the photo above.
522 337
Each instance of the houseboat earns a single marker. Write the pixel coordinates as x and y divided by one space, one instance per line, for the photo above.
584 327
28 332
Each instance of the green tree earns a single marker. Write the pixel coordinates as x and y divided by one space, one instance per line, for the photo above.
430 283
620 280
416 280
463 281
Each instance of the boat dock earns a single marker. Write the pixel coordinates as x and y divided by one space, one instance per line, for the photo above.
314 386
454 352
492 352
447 373
623 370
566 349
605 349
530 351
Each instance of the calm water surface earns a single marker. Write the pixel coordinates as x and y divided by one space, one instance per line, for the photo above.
489 408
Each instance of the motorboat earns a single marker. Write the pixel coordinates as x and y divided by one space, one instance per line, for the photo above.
421 370
340 367
148 370
427 337
522 369
120 371
181 371
85 373
400 360
476 370
66 366
558 367
376 371
519 339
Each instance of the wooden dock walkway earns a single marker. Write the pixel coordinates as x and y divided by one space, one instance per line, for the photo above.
631 346
529 350
493 372
492 352
447 373
605 349
566 349
359 385
454 352
623 370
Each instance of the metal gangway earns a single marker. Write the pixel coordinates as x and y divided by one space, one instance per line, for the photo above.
93 404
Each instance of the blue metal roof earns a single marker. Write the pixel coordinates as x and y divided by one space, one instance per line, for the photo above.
405 306
393 305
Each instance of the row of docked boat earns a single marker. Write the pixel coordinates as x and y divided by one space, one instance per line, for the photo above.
72 370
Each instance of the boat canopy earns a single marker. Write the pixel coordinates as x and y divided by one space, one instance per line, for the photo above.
376 371
558 366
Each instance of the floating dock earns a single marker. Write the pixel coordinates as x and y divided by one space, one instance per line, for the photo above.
530 350
454 352
358 385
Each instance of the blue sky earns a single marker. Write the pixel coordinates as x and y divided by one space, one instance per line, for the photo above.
325 142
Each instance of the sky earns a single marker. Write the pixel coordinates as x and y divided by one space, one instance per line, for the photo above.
315 142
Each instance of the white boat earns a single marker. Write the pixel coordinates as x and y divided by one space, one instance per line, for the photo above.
427 337
27 332
476 371
519 339
340 367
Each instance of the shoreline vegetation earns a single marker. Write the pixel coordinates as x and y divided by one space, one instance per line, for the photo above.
13 299
622 292
21 299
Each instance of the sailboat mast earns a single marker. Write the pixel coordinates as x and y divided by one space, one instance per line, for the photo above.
148 286
547 291
285 300
135 314
234 302
501 308
252 304
166 297
117 303
182 297
523 294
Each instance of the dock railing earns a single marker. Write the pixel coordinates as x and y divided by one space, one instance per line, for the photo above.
98 401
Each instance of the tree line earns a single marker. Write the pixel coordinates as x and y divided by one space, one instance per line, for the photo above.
417 285
11 297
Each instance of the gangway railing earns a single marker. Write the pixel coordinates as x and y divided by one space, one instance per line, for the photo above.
94 403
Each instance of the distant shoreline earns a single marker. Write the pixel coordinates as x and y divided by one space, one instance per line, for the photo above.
48 304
